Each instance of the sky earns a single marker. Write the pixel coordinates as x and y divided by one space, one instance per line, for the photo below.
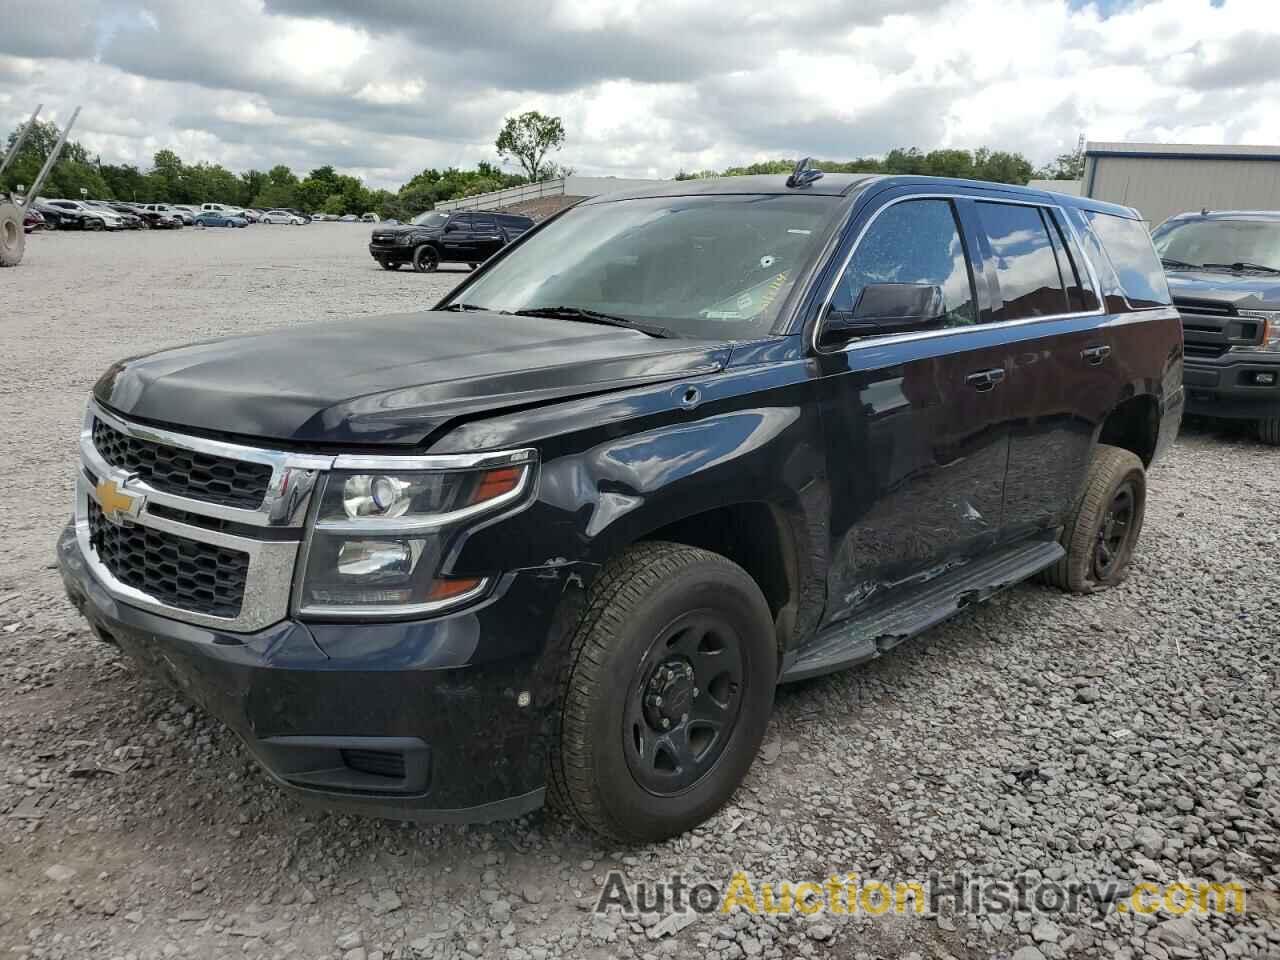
384 88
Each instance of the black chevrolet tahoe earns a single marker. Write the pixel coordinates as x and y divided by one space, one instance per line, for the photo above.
1224 272
433 238
563 534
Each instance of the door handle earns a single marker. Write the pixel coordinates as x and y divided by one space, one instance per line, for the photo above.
985 380
1095 355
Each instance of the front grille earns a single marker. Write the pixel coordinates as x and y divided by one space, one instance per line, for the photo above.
185 473
380 763
182 573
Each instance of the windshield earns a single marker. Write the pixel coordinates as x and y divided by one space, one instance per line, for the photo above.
430 219
1197 242
710 267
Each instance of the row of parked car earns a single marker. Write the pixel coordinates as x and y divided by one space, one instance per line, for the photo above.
119 215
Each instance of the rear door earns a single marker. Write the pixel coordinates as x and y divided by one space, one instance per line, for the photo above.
488 238
916 424
1063 357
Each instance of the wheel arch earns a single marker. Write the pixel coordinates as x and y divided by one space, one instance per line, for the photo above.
757 537
1133 424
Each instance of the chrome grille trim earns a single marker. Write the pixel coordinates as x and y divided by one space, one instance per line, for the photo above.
268 584
295 479
293 475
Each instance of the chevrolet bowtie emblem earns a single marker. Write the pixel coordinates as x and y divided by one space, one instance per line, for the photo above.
115 504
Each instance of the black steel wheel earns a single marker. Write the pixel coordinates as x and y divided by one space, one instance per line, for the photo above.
684 702
1102 533
425 259
665 693
1116 532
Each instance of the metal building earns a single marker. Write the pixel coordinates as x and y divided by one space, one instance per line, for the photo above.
1161 179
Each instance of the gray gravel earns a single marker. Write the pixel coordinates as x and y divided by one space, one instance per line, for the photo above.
1122 737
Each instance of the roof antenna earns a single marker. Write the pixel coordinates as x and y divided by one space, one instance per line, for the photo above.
804 174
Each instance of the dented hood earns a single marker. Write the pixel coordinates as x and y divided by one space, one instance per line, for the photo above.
389 380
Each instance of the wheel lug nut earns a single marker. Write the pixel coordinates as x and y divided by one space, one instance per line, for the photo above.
665 723
684 717
657 701
695 693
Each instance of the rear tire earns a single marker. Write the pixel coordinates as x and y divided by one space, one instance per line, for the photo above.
1102 532
95 225
1269 431
665 693
425 259
13 238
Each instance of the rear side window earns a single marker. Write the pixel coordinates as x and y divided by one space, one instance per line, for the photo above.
1026 265
1128 245
916 241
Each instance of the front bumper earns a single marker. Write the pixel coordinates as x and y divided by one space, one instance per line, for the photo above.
392 252
1227 386
416 720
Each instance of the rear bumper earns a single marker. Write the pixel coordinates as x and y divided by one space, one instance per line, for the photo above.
1228 386
416 720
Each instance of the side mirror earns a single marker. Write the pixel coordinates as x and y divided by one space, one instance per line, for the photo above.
889 308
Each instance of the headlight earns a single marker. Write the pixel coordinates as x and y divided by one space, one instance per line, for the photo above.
1270 342
381 536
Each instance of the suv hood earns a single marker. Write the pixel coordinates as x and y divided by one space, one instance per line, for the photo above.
392 379
1248 291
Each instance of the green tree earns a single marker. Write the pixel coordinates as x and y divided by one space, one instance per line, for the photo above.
528 138
73 171
1067 166
252 182
125 182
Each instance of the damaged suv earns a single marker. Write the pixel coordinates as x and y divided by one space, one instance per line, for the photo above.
563 535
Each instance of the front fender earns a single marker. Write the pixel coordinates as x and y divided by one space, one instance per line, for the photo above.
618 468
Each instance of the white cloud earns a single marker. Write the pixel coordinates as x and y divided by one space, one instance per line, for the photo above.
645 88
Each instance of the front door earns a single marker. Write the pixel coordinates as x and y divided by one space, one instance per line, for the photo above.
916 424
458 238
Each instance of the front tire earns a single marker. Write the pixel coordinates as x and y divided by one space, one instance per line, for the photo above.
425 259
1269 431
665 695
1102 533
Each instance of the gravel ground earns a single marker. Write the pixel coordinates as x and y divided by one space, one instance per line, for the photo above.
1121 737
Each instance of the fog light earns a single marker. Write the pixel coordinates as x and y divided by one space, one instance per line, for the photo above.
1264 378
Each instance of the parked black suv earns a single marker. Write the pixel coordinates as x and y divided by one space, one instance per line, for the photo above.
433 238
1224 271
567 531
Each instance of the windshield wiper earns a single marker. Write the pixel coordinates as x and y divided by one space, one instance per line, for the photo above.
1179 264
1244 265
462 307
582 315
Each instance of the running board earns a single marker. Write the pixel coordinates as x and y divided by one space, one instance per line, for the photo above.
878 630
